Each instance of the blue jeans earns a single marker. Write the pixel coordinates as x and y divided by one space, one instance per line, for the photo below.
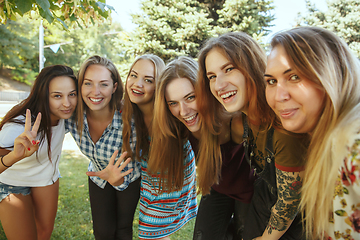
6 190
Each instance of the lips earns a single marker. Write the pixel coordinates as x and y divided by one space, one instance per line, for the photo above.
137 92
191 120
67 111
96 100
228 95
287 113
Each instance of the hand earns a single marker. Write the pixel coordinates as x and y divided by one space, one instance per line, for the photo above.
26 144
113 172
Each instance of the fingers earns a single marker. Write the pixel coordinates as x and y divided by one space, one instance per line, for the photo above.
92 174
127 172
122 157
124 164
112 159
37 123
28 120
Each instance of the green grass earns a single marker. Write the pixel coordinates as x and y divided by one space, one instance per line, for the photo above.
73 220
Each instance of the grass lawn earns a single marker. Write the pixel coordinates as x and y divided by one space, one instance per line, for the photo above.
73 220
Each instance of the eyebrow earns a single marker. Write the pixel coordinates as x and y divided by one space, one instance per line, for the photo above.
285 72
145 76
190 93
221 67
62 92
105 80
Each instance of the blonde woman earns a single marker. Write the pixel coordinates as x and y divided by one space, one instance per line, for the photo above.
313 85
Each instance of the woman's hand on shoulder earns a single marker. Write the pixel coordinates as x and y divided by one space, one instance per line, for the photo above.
113 172
26 144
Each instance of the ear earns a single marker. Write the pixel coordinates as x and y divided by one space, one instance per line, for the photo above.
115 87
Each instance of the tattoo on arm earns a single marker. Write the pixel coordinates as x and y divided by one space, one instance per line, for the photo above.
286 207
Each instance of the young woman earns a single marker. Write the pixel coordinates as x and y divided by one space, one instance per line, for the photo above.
29 183
163 209
97 129
231 69
176 119
313 87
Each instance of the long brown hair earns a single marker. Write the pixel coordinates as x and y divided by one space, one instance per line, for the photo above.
169 134
38 101
322 57
116 98
131 110
249 58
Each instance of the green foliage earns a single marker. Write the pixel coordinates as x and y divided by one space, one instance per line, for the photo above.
170 28
341 17
17 44
88 11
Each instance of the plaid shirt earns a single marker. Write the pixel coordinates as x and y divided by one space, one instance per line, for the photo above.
101 152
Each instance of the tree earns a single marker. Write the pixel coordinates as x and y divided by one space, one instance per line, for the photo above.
63 11
341 17
169 28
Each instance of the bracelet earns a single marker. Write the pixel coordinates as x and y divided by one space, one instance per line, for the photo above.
3 162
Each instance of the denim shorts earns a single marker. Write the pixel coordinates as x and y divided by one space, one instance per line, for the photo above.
6 190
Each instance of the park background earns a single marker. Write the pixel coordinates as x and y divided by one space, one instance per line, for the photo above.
121 30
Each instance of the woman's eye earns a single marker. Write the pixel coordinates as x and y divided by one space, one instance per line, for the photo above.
271 81
57 96
212 77
104 84
294 77
87 83
229 69
73 94
148 81
133 76
190 98
171 104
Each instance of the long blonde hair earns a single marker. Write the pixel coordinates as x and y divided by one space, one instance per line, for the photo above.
168 133
131 110
322 57
115 102
249 58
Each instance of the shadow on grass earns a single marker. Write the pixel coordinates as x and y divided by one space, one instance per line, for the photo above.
73 219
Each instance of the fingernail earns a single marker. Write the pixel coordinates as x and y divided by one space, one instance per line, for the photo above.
28 149
33 142
38 143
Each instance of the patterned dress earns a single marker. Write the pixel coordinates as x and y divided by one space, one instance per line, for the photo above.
345 223
162 214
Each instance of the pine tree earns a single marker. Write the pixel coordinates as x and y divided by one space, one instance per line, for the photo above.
341 17
170 28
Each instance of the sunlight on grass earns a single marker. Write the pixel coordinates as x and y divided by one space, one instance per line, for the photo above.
73 220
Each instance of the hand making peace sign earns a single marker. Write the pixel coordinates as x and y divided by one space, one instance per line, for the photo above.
26 144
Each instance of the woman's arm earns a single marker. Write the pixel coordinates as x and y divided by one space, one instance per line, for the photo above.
24 145
285 209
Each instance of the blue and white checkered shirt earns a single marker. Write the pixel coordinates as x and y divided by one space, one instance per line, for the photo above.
101 152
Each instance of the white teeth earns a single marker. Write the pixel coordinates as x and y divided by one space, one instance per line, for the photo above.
226 95
96 99
136 91
190 118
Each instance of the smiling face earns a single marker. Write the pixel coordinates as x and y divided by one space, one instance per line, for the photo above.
97 87
227 84
180 98
140 84
62 98
296 100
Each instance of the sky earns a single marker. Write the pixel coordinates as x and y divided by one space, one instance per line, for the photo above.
285 12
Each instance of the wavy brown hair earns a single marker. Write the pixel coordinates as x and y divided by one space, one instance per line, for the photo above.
116 98
38 101
131 110
249 58
322 57
169 134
